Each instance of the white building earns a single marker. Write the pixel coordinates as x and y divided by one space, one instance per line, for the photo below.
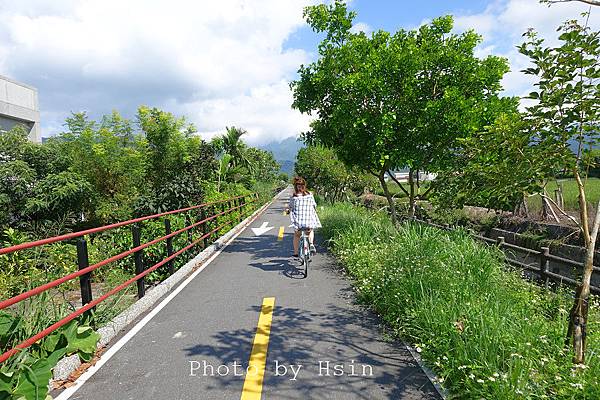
402 176
19 105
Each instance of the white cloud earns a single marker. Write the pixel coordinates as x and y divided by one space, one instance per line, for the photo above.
258 111
361 27
219 62
503 23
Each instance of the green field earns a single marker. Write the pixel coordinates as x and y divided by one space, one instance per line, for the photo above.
570 193
569 187
397 192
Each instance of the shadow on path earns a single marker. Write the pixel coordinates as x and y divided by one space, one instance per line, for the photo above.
339 335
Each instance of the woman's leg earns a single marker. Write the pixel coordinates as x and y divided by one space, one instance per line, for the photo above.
297 235
311 236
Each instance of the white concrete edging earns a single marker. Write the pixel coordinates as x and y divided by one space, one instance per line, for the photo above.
67 365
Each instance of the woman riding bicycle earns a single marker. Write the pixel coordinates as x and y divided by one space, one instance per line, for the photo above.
303 213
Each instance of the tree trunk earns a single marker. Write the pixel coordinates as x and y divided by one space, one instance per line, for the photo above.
579 312
522 209
558 193
335 195
388 196
411 196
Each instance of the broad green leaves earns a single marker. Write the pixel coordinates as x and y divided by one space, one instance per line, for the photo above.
27 375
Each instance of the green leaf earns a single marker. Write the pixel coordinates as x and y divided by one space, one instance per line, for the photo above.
56 356
6 383
82 340
8 325
33 381
53 341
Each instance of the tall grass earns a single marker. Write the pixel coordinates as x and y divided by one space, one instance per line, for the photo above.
484 330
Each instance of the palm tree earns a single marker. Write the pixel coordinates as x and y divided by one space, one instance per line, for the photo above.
233 145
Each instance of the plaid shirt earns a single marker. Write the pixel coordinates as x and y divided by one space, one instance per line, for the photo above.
303 212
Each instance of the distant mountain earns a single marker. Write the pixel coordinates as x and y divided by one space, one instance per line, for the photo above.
285 153
287 166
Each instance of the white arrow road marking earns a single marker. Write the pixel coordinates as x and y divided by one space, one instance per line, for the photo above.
263 229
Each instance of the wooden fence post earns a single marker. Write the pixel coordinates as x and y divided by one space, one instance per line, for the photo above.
544 264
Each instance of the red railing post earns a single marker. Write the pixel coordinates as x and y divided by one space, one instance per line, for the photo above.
169 243
139 259
204 227
85 282
214 223
225 216
188 222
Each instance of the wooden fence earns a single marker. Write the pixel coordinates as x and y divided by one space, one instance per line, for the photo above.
542 259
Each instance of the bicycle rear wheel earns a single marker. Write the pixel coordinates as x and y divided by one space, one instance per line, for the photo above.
306 261
305 253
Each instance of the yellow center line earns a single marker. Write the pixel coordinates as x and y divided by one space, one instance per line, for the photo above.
258 357
280 234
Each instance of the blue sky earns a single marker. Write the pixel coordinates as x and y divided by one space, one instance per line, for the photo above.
392 15
221 63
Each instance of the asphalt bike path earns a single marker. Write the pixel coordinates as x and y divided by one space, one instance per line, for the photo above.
251 327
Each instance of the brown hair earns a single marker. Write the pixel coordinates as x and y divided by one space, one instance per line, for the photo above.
300 186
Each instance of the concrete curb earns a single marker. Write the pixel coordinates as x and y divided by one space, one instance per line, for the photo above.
67 365
430 374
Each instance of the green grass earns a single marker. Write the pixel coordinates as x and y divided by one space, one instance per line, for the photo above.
397 192
486 332
570 194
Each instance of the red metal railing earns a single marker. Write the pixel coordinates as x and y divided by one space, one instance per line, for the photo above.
239 203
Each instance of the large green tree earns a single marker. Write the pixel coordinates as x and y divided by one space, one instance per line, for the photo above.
329 176
401 100
35 183
179 162
264 167
497 168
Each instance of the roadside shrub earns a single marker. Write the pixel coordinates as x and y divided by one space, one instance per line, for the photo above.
485 331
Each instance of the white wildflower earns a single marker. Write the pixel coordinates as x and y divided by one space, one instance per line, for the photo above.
577 385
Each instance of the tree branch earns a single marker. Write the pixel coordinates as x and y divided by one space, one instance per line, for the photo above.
562 211
591 2
399 184
424 195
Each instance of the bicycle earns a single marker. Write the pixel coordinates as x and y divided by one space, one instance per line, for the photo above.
304 250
